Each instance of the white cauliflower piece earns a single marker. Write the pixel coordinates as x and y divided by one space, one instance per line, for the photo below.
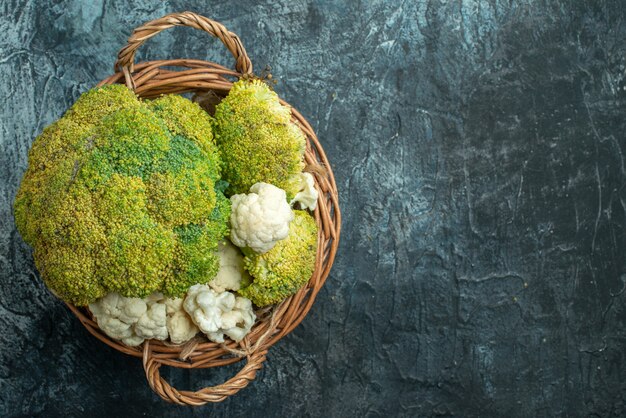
231 271
219 314
260 218
206 307
236 323
307 196
152 324
179 325
131 320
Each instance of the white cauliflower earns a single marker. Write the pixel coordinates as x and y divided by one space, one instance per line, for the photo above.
307 196
219 314
236 323
131 320
231 270
260 218
152 324
180 327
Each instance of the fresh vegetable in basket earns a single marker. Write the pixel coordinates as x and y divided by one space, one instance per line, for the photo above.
284 269
123 195
123 202
257 141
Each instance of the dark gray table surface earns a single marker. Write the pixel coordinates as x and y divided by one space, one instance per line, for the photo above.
478 149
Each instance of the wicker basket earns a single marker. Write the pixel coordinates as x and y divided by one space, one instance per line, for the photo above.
151 79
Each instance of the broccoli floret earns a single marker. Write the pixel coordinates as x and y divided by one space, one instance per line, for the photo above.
284 269
257 140
97 103
125 196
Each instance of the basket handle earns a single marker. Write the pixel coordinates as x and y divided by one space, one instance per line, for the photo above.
126 56
209 394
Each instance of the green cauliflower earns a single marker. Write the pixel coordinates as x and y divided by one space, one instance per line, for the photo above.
283 270
122 195
257 140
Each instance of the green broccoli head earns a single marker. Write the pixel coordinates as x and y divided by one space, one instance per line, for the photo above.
257 140
124 195
284 269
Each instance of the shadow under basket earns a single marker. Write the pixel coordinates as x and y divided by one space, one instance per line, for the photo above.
152 79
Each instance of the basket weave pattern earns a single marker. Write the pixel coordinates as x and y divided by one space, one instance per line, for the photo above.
151 79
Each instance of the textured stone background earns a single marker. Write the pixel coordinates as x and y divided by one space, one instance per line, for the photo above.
478 149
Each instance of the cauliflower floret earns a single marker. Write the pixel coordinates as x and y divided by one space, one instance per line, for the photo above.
231 272
260 218
152 324
217 314
236 323
131 320
179 325
307 196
